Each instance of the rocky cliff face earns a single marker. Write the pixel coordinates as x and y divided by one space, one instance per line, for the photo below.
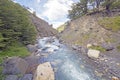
43 28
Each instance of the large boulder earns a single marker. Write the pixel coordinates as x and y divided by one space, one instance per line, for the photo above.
93 53
107 46
15 65
11 77
44 72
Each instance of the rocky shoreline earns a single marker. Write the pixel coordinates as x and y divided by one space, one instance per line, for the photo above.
103 66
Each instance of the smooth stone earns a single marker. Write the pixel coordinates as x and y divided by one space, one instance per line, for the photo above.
93 53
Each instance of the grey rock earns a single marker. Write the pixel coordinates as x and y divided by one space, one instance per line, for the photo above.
32 48
107 46
15 65
33 62
11 77
27 77
74 47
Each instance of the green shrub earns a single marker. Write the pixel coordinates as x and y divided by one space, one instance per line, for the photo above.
111 23
2 76
98 48
61 28
118 47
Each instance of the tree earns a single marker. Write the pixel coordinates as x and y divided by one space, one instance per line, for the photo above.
15 24
78 9
108 4
84 6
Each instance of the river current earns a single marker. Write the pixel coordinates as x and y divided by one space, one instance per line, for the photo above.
66 64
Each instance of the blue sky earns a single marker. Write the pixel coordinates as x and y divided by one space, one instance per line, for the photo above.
53 11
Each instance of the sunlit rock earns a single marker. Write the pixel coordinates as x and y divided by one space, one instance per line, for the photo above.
115 78
89 45
44 72
93 53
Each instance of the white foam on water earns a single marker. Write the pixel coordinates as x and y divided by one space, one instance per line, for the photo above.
70 70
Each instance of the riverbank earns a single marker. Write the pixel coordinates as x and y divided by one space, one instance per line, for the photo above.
63 60
106 66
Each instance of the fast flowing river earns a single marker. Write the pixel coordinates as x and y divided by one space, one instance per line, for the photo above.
66 64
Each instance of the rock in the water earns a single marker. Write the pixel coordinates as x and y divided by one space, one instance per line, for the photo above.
11 77
27 77
15 65
32 48
44 72
74 47
93 53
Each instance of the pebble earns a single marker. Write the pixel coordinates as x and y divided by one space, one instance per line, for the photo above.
98 74
118 64
82 66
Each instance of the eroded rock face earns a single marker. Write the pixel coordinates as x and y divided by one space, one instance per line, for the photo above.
43 28
15 65
44 72
93 53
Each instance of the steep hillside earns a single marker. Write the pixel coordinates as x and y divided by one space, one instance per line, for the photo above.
90 30
43 28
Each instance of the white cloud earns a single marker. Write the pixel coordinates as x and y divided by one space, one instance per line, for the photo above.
56 9
14 1
57 24
38 1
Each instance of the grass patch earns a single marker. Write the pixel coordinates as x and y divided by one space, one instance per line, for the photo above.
86 37
16 49
2 77
110 40
98 48
111 23
61 28
77 42
118 48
